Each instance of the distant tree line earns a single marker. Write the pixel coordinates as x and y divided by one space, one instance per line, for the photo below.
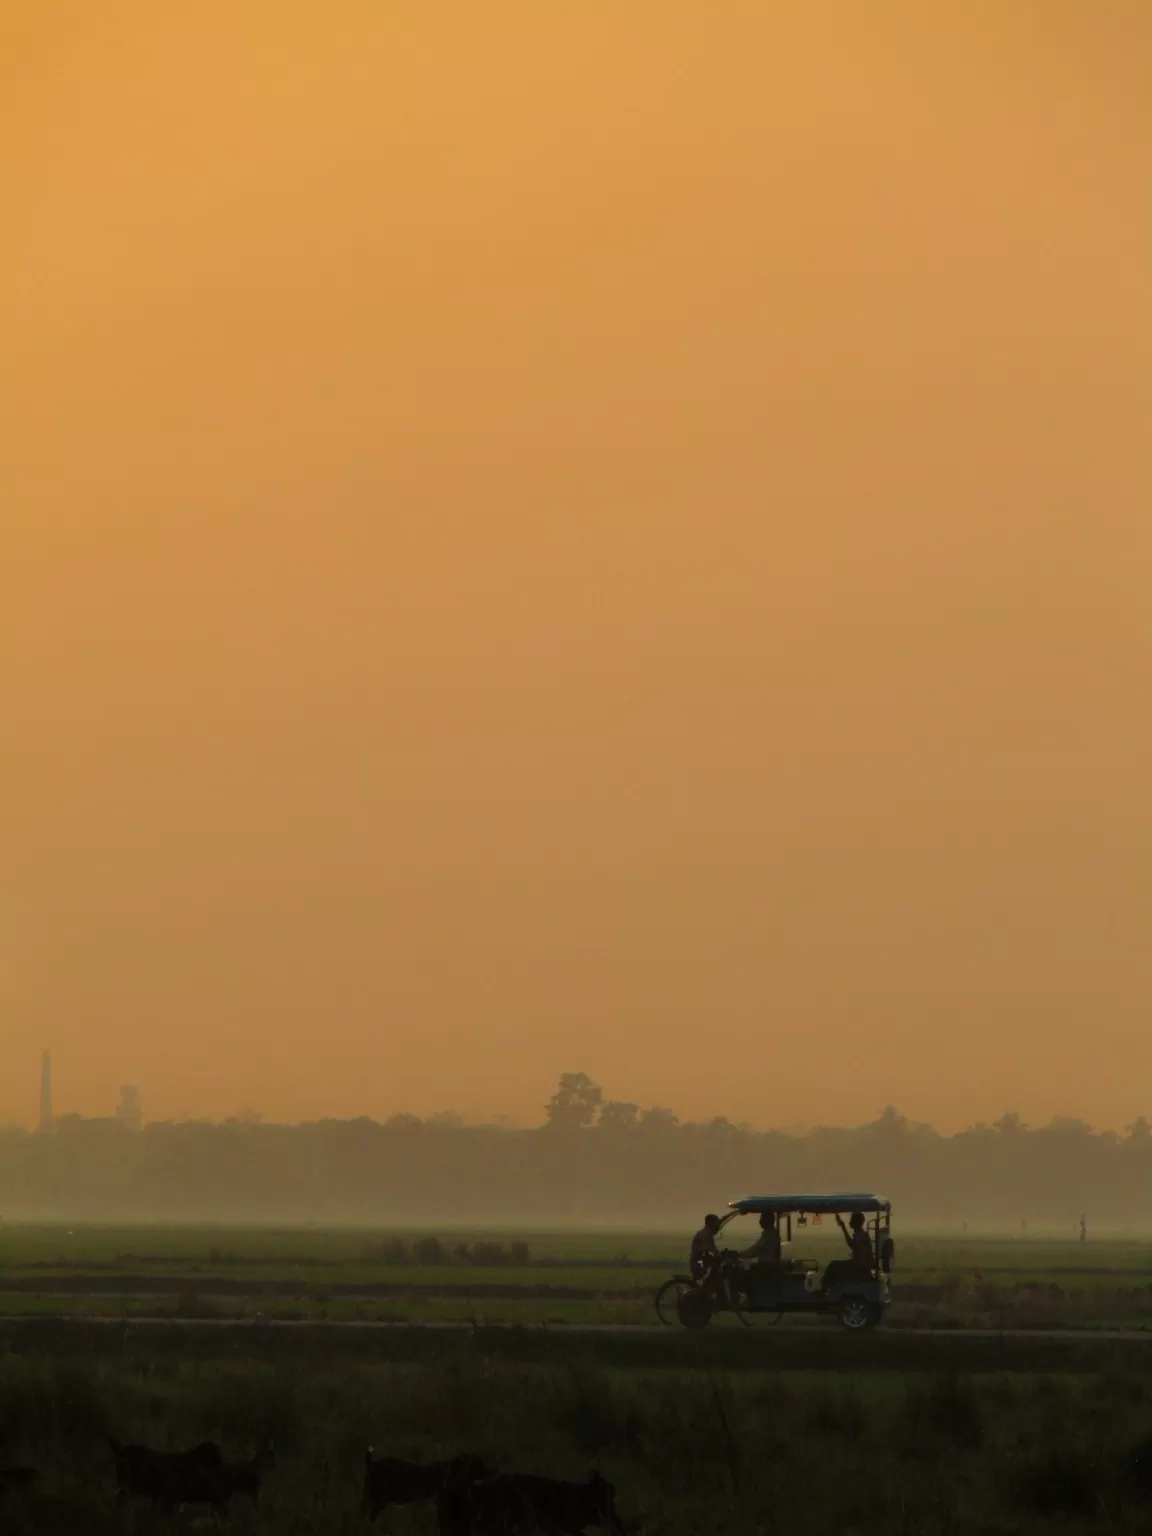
593 1160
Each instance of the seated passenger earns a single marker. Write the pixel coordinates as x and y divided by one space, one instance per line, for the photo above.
764 1254
860 1264
859 1243
766 1248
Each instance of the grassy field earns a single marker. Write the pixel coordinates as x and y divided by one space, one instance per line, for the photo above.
306 1248
344 1274
695 1439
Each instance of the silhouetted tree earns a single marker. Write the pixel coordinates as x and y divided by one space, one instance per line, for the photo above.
618 1115
574 1104
446 1120
720 1125
659 1119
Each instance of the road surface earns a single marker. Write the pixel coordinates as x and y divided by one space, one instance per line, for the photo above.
566 1330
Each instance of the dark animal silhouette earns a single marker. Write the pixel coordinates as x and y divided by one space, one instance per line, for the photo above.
16 1479
199 1476
515 1502
243 1477
389 1480
168 1478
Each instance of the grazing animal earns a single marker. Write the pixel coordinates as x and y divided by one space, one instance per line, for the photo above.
168 1478
16 1479
388 1480
514 1502
242 1476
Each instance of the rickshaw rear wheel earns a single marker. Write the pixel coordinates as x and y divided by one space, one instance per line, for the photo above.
858 1315
668 1298
695 1309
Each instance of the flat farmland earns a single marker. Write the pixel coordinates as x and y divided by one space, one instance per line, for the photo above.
531 1278
933 1426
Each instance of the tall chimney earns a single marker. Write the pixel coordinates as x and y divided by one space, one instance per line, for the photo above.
47 1118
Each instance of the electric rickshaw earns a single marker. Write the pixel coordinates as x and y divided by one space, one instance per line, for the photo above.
855 1292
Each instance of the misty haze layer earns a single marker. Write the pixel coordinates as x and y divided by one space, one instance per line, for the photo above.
653 1174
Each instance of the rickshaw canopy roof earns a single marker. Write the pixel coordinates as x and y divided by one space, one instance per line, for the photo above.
824 1205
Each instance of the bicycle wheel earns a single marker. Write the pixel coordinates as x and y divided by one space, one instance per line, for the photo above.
668 1299
732 1296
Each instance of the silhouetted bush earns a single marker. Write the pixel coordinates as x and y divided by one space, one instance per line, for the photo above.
391 1251
429 1250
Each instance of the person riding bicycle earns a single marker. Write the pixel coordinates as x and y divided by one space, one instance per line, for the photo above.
711 1269
704 1254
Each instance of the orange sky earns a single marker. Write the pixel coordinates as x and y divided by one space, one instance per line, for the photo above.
606 536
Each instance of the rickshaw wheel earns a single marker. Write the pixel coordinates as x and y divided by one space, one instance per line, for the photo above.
859 1315
695 1308
668 1299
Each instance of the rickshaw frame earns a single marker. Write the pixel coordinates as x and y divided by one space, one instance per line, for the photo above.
859 1297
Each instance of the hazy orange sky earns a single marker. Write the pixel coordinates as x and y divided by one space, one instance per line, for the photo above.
604 536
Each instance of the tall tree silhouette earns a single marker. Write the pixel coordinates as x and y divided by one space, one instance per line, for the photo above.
574 1104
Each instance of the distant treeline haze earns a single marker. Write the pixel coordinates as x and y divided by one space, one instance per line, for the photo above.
592 1161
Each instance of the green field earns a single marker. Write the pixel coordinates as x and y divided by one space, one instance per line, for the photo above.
346 1274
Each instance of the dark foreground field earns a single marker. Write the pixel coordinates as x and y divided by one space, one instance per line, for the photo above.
721 1433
